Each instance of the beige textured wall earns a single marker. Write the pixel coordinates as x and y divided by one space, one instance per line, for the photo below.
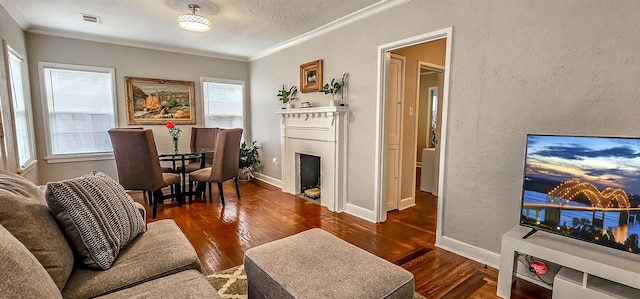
517 67
11 32
127 61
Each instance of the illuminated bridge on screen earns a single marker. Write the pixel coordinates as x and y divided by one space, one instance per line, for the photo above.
574 195
576 208
570 190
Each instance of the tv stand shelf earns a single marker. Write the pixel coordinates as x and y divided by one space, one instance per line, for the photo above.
588 258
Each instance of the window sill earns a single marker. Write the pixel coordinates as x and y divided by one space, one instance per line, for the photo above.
78 158
27 168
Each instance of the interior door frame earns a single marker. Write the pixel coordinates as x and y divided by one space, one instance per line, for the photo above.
447 34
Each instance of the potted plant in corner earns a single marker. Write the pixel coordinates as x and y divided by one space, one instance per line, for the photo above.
249 161
287 96
333 88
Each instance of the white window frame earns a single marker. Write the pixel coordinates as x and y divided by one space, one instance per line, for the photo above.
244 100
31 161
64 158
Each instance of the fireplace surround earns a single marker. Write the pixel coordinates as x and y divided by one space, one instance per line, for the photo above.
322 132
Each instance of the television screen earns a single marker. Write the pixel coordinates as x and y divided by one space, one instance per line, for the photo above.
586 188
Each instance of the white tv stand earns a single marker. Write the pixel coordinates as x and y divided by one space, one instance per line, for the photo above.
590 259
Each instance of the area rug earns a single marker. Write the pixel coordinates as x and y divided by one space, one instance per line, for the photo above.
232 283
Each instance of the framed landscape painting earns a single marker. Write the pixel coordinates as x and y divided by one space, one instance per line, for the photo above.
156 101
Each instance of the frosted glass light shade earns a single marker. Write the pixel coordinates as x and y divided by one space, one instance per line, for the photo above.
193 22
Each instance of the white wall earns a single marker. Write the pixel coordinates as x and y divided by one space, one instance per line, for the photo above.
11 32
517 67
127 61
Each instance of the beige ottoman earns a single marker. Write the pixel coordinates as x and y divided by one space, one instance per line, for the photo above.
316 264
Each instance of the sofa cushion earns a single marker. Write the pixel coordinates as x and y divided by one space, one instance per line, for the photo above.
98 217
24 213
161 251
185 284
22 275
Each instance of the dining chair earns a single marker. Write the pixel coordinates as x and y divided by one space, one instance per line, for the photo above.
139 166
225 162
203 140
164 168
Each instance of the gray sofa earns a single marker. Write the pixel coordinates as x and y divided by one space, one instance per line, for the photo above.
38 262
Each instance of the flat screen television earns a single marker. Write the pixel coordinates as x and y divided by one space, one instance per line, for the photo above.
587 188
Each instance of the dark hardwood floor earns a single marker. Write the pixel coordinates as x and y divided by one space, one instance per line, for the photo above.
220 235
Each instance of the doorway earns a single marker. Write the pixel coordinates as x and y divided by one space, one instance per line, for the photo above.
430 81
409 110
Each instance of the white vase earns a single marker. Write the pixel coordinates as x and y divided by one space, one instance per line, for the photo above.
332 103
289 106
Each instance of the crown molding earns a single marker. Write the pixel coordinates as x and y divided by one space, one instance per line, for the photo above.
14 11
339 23
135 44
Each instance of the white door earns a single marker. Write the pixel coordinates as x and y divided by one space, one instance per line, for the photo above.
394 97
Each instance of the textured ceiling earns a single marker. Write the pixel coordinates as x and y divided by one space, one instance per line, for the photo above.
240 28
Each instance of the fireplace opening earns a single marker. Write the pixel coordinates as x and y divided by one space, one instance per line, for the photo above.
310 176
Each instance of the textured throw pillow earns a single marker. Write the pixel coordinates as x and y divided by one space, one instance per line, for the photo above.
24 213
98 217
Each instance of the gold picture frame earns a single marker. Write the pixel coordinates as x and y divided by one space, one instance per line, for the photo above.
157 101
311 76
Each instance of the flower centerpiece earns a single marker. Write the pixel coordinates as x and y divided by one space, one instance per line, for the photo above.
175 134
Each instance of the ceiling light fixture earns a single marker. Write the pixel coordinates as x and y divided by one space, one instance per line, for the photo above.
192 21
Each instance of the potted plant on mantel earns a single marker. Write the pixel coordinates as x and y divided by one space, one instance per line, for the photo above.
333 88
287 96
249 161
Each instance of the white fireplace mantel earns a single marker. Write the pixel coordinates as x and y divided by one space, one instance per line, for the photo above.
317 131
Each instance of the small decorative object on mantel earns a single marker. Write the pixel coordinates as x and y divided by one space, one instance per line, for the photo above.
333 88
287 97
345 90
311 76
175 134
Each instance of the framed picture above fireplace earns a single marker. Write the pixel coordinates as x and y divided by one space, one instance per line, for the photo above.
311 76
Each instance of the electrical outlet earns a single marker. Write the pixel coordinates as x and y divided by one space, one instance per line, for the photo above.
275 162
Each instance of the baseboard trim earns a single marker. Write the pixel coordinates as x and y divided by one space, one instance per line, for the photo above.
406 203
269 180
469 251
359 212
